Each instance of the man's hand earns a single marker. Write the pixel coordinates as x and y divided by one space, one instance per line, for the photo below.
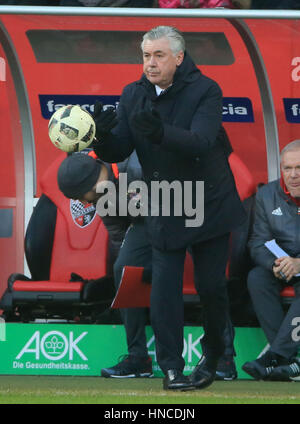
149 124
286 267
105 120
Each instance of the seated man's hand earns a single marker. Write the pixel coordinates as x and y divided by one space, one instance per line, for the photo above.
105 120
286 267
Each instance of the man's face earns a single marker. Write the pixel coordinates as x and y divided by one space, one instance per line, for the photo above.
159 62
290 168
94 194
89 197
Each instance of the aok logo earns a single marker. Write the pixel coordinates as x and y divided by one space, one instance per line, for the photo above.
191 346
53 345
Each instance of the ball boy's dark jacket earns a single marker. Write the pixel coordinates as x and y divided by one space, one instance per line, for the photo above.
276 217
191 150
117 225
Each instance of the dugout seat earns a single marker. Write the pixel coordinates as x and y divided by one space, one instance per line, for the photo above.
66 247
287 295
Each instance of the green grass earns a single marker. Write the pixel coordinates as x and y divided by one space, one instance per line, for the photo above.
96 390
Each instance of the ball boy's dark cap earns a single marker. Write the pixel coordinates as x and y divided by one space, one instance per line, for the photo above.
77 175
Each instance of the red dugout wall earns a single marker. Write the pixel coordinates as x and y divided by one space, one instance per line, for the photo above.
50 60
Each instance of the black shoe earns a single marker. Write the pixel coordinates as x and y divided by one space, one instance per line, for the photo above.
261 368
129 367
204 373
175 380
286 372
226 369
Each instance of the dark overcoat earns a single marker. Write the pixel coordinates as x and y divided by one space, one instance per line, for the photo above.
192 149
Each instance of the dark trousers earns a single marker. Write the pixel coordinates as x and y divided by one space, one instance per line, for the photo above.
135 251
167 317
276 323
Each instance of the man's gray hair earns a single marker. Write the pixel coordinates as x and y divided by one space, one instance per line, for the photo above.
174 36
292 146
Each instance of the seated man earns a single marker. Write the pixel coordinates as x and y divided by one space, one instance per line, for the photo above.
277 216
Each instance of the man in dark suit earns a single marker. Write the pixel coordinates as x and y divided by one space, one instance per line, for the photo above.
172 118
